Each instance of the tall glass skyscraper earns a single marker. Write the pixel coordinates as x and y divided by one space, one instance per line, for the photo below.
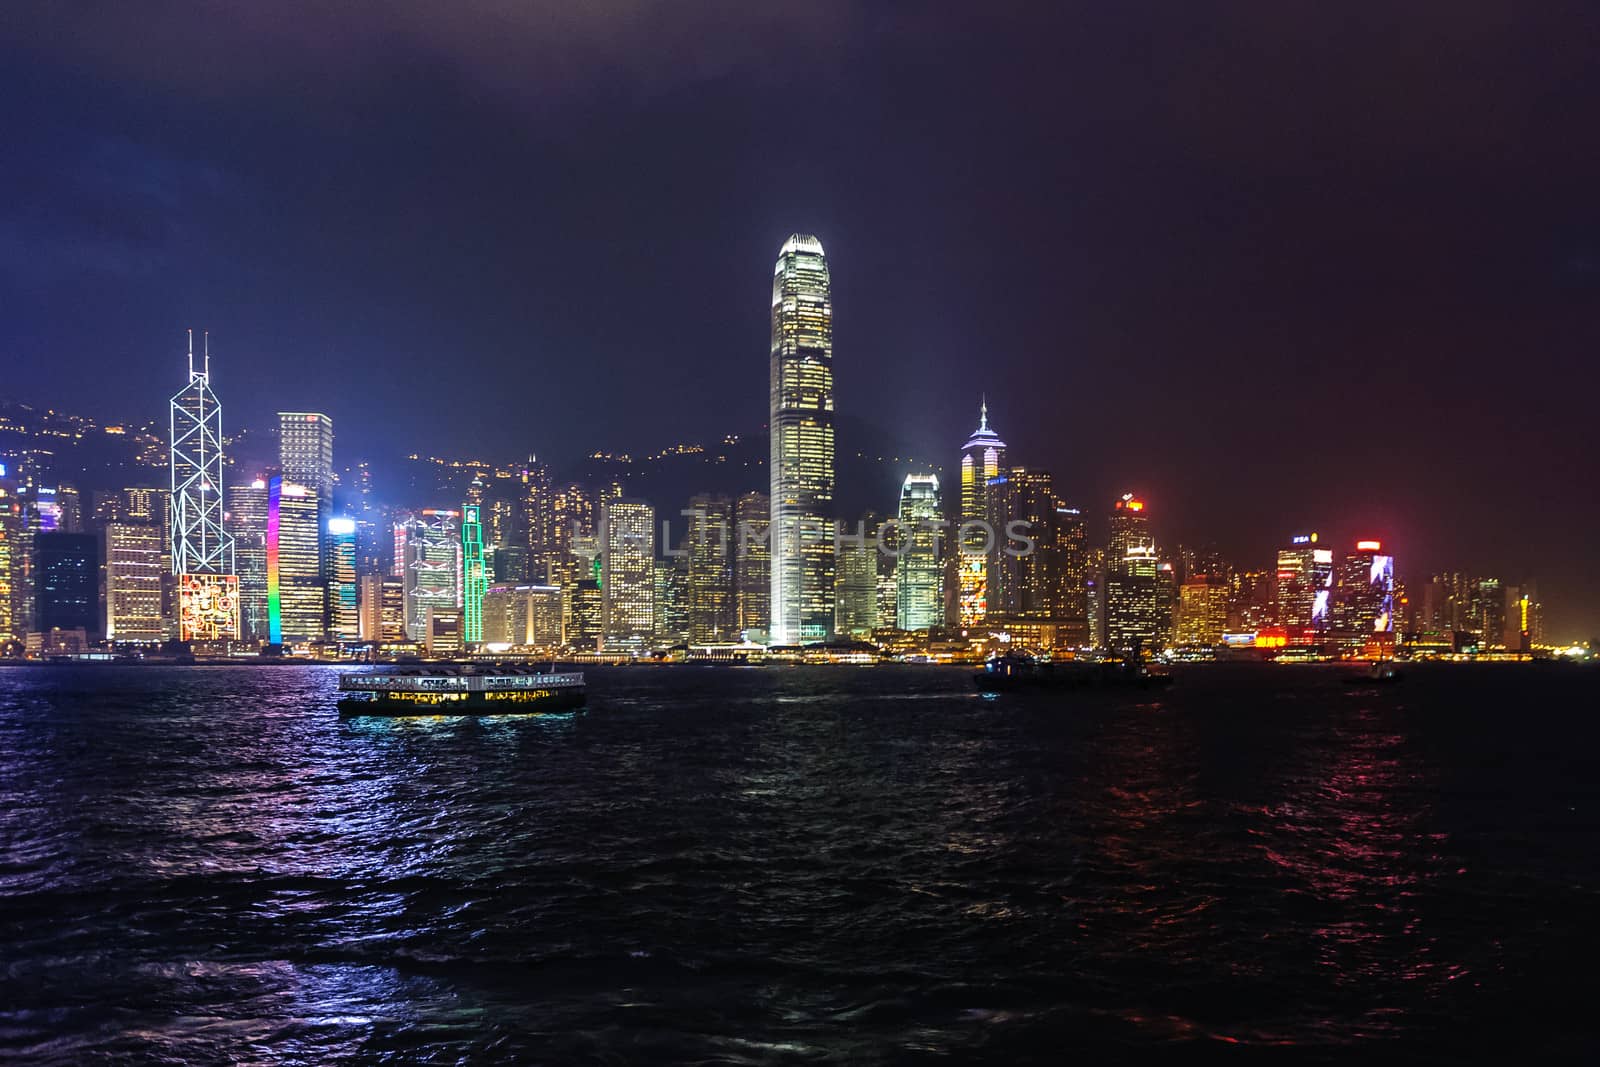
295 594
919 573
802 443
981 459
305 451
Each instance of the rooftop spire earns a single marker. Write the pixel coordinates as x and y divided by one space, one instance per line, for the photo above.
191 353
983 414
205 339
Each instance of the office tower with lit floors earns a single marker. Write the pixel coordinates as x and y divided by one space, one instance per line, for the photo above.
919 568
1072 574
1305 583
296 598
855 587
628 551
982 458
752 563
1023 577
133 574
247 523
802 443
1363 594
710 541
305 451
1132 594
1134 611
341 620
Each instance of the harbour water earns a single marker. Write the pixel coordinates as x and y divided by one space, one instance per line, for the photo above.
775 865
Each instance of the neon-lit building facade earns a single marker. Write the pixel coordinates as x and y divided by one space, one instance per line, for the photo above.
247 522
801 428
296 600
919 573
1364 595
200 544
474 580
981 459
1305 583
431 567
343 620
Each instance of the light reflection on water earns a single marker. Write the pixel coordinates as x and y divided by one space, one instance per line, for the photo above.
757 865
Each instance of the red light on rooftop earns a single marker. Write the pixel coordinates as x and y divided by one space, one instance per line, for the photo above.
1369 546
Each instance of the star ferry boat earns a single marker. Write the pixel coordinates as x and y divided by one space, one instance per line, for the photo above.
457 690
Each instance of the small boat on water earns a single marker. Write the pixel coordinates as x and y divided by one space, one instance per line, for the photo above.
1014 671
1381 673
458 690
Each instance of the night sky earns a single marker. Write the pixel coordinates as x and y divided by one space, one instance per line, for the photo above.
1275 266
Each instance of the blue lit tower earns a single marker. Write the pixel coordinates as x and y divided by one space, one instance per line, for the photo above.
801 426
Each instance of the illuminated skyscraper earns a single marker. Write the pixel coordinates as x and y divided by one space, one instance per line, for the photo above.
1202 611
133 574
1363 596
1134 612
752 563
981 459
801 427
1130 550
339 553
670 602
1305 583
305 451
431 567
1129 528
8 525
523 616
1072 557
711 543
628 551
919 571
381 603
202 551
475 579
296 599
855 588
1524 618
247 522
68 582
1023 580
585 617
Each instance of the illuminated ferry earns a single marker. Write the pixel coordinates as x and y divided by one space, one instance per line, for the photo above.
459 690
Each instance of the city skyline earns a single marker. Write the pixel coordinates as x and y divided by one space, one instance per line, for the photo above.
1164 279
319 600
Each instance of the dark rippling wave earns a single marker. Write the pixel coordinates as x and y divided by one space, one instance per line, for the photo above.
797 865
